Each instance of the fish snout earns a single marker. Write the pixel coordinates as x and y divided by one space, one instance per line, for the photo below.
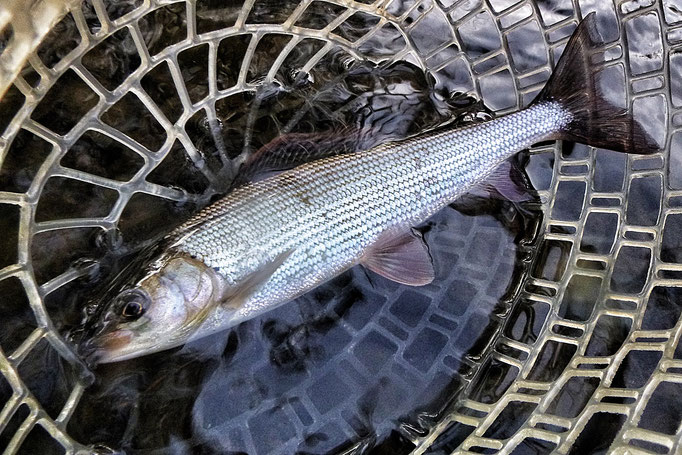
89 351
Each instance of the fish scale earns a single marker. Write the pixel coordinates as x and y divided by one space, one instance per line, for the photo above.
340 206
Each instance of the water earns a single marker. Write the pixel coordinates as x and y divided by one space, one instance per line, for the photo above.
359 364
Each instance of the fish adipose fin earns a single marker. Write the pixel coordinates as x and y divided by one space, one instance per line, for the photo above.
596 120
403 258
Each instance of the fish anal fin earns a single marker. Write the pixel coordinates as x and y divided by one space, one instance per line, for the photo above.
509 181
401 257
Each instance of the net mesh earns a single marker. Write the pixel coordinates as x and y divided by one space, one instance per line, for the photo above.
619 340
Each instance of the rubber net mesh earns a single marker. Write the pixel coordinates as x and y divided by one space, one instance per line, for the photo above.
597 233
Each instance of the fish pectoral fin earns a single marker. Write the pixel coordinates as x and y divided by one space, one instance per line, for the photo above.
403 258
235 296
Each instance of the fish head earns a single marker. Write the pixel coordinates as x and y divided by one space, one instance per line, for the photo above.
160 310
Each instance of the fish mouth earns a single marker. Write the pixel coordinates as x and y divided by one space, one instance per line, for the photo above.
106 348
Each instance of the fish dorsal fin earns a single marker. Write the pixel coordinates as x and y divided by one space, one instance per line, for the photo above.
402 257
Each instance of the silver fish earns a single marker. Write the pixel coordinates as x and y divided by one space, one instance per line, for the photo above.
268 242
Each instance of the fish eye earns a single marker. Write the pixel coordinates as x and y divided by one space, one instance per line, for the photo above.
133 304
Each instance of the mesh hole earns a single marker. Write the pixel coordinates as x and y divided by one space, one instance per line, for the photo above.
64 198
232 112
598 434
573 397
552 361
608 336
374 351
10 103
674 81
92 21
644 43
177 170
65 104
644 200
525 324
569 201
497 378
498 90
17 419
53 252
30 75
553 259
268 49
319 14
554 11
216 14
40 441
16 315
508 422
131 117
120 8
452 437
147 216
385 42
647 445
429 35
230 55
663 412
479 35
425 348
51 390
599 232
533 446
159 85
523 57
631 269
61 39
459 296
193 64
9 226
635 369
164 27
580 298
263 12
501 5
671 245
98 154
113 60
356 26
609 171
663 308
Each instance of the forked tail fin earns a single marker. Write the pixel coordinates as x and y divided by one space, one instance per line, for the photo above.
596 121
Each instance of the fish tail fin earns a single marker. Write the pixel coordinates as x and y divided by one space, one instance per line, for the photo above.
596 121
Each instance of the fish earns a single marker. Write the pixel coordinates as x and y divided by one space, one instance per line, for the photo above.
272 240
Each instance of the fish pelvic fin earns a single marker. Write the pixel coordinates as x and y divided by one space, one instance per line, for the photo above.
596 121
402 257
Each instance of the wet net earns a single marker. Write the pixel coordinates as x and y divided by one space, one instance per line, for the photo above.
576 351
